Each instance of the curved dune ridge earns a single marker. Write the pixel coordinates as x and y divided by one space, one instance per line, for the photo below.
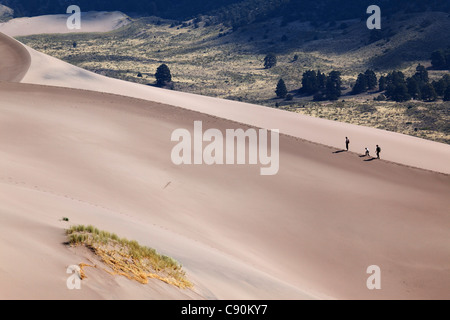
15 59
310 231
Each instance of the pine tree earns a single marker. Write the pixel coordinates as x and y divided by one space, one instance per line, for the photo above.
321 80
360 85
281 90
310 83
396 88
421 74
413 88
163 75
371 78
270 61
398 93
439 87
428 93
334 82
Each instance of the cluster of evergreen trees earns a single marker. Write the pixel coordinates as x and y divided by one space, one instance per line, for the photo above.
320 85
440 59
396 86
399 88
365 81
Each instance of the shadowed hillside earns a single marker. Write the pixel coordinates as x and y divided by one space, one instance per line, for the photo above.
234 12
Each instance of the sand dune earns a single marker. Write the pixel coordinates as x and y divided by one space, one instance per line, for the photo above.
396 147
15 59
90 22
308 232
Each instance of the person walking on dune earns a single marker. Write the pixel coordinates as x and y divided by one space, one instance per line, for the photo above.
378 150
367 152
347 142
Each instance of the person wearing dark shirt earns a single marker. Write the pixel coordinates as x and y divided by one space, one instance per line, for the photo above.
378 149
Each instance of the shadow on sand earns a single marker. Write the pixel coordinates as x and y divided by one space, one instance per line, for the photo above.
339 151
371 159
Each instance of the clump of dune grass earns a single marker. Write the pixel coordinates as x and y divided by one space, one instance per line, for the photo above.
127 257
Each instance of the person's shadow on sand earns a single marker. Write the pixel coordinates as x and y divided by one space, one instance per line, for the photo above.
371 159
339 151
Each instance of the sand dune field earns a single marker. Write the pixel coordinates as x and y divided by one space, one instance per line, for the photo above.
98 151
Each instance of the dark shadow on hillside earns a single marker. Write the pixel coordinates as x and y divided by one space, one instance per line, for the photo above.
371 159
339 151
418 49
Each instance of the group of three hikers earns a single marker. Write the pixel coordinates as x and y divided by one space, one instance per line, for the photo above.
377 150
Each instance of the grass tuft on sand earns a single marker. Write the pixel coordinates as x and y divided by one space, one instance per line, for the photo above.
127 257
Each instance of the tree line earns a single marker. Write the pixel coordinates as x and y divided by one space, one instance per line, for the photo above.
395 85
322 86
418 87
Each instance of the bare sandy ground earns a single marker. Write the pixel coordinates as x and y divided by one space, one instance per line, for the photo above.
310 231
90 22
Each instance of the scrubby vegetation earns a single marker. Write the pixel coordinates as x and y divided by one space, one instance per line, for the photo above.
128 258
423 120
270 61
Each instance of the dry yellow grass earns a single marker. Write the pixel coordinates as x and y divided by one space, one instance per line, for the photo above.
424 120
127 258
